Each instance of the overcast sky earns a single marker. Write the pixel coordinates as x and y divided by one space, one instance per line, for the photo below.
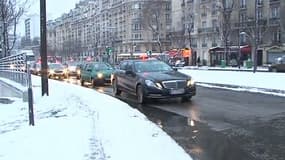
54 8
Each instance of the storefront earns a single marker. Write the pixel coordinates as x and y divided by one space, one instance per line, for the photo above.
273 53
231 56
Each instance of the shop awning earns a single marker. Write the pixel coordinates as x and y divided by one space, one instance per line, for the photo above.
245 49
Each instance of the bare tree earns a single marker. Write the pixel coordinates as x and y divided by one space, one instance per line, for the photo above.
282 18
10 13
226 7
154 17
255 28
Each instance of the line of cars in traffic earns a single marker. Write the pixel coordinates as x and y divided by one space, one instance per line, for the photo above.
57 70
145 79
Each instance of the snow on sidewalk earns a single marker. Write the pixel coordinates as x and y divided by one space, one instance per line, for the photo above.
80 123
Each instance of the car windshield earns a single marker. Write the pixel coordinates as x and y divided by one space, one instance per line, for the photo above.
56 66
151 66
72 64
103 66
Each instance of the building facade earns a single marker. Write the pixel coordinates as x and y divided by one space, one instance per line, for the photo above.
95 25
216 29
32 27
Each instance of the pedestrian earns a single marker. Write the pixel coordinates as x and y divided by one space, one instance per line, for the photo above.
198 61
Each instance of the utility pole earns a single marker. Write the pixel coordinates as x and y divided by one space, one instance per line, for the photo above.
190 48
44 67
256 37
239 44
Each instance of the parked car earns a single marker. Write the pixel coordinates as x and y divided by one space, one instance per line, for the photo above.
97 73
79 66
278 65
57 70
152 79
72 69
35 68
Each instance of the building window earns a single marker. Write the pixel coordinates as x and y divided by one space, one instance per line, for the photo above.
167 16
260 2
259 13
215 23
277 36
243 38
204 24
275 12
242 3
167 7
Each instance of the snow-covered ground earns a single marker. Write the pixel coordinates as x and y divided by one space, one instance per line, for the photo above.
263 82
80 123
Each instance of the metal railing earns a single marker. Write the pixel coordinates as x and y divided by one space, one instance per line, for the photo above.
14 67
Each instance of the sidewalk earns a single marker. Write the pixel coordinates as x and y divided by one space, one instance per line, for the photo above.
259 82
74 123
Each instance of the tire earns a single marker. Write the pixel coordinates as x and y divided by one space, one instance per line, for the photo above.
116 91
274 70
82 82
94 83
186 98
140 95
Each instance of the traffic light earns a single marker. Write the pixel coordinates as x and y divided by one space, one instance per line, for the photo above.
149 53
109 50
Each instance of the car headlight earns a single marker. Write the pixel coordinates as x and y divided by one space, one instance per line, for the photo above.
65 71
152 84
100 75
51 71
190 82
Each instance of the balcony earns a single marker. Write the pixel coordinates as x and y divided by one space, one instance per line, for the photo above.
274 21
243 6
204 14
204 1
214 44
190 1
208 30
260 4
274 1
251 23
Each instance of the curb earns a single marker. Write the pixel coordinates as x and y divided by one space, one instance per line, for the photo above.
272 91
223 69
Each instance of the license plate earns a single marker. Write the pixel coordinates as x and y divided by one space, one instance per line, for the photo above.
177 91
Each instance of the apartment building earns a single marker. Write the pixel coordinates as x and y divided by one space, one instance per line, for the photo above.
94 25
1 38
208 22
32 27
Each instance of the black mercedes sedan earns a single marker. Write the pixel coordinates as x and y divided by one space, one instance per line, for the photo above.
151 79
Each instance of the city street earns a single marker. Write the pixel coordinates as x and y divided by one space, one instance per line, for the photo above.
220 124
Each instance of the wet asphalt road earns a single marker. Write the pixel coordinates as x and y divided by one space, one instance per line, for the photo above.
221 124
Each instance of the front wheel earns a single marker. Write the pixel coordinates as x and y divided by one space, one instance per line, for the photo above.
274 69
140 95
82 82
116 91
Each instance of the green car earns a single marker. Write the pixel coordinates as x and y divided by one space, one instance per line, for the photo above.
97 73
